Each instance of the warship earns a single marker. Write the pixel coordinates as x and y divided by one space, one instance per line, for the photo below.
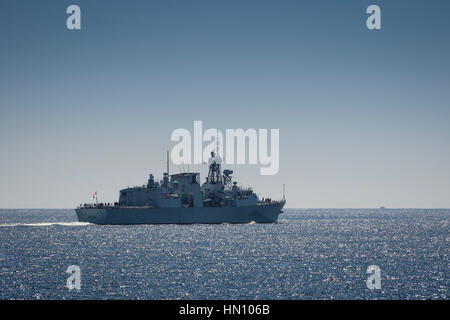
180 199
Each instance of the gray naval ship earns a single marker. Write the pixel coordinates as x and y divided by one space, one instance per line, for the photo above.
181 199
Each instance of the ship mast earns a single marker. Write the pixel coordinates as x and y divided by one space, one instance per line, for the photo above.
167 162
217 141
215 162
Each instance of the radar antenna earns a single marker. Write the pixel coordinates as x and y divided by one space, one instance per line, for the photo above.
227 179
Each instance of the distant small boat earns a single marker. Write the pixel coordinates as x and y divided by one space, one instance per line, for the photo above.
382 208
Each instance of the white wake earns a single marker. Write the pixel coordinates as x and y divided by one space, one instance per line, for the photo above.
46 224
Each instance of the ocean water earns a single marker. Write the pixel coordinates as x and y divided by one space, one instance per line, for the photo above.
309 254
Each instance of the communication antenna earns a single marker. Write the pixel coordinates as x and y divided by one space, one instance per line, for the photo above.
284 197
217 142
167 162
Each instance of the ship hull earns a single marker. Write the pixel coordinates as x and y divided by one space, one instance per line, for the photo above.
263 213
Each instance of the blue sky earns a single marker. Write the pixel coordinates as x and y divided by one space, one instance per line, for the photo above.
363 115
